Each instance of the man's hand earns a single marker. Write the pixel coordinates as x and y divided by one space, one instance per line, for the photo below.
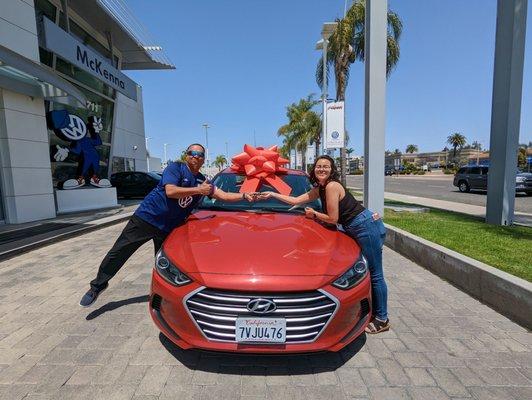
250 197
205 189
310 213
62 153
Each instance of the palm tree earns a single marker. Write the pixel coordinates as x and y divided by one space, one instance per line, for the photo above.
303 127
397 152
456 140
220 161
411 148
346 45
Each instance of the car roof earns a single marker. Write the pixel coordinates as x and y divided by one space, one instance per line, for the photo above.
289 172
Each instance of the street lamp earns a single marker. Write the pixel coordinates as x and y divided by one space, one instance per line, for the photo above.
206 126
147 154
165 157
326 32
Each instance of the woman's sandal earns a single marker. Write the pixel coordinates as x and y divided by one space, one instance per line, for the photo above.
376 326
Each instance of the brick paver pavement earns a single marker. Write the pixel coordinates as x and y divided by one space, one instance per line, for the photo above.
443 344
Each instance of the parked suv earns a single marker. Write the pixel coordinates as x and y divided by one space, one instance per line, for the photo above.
134 183
476 178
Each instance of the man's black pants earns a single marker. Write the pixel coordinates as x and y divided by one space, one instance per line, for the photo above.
135 234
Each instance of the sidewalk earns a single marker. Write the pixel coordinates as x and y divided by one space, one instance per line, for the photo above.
443 344
15 239
479 211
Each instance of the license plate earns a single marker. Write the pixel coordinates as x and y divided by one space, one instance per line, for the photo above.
264 330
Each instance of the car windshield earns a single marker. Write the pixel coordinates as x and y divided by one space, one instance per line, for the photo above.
155 175
232 182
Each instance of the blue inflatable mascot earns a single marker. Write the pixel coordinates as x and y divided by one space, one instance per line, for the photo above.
71 128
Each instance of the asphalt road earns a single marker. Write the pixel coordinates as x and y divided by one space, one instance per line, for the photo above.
440 188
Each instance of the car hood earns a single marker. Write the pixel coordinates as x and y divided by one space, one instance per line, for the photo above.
248 245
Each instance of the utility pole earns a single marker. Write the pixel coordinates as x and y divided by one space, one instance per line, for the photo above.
165 156
147 154
206 126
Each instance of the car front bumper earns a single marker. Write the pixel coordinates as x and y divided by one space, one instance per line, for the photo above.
168 309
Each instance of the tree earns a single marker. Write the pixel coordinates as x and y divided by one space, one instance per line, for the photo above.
397 152
521 158
183 156
456 140
346 45
303 127
411 148
476 145
220 161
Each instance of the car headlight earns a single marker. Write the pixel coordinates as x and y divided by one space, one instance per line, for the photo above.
169 271
520 179
353 275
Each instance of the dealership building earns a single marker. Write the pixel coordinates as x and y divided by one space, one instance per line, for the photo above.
67 109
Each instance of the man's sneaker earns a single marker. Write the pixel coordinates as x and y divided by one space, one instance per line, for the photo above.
90 297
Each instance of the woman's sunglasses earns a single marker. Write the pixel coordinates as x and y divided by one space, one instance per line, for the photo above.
195 153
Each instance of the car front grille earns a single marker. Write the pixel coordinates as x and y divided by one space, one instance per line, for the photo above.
306 313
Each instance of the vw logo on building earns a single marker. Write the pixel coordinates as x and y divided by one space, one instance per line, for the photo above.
335 135
261 306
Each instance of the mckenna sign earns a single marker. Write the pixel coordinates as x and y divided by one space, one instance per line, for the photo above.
67 47
96 66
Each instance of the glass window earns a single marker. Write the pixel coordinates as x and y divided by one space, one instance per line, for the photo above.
45 8
130 164
475 170
69 167
1 203
232 182
118 164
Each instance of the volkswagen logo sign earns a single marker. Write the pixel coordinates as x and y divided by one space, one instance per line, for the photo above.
261 306
335 135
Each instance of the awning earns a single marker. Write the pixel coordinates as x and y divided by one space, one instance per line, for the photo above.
139 51
22 75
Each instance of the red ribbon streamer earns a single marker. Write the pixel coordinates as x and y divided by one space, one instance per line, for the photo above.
259 165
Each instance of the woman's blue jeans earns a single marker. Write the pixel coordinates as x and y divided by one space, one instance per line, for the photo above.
370 235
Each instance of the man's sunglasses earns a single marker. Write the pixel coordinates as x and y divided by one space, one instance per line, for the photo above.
195 153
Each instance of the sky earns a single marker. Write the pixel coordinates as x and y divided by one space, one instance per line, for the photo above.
239 63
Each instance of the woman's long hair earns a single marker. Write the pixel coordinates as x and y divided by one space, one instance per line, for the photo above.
335 176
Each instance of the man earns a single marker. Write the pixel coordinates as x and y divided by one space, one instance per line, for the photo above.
167 206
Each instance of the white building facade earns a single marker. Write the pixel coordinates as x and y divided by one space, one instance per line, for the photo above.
66 56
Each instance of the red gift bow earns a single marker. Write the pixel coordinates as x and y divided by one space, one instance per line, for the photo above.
261 164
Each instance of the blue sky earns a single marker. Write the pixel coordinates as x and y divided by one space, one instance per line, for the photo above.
241 62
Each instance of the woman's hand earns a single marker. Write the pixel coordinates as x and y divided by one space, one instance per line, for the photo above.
265 195
310 213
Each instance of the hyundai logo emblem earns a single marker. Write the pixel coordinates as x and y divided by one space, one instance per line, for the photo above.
261 306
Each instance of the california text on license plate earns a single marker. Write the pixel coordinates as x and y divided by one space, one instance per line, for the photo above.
269 330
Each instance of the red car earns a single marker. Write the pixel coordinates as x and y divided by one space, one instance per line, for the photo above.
259 278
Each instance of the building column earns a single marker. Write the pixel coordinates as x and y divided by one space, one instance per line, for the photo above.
375 102
25 170
506 110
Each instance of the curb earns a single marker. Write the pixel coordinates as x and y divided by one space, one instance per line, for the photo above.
505 293
59 235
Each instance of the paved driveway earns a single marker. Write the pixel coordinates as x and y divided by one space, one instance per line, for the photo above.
444 344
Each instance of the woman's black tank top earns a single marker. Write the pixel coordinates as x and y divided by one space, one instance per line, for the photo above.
348 208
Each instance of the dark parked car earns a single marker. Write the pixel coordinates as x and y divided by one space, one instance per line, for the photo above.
134 183
389 170
476 178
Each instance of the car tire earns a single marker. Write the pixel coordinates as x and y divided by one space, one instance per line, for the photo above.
464 187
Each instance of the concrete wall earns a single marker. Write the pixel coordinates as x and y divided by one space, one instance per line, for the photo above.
128 130
25 170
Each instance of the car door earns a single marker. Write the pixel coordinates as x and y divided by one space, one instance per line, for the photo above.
144 184
483 180
128 184
474 177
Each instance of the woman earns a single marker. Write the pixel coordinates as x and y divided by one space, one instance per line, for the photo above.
365 227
